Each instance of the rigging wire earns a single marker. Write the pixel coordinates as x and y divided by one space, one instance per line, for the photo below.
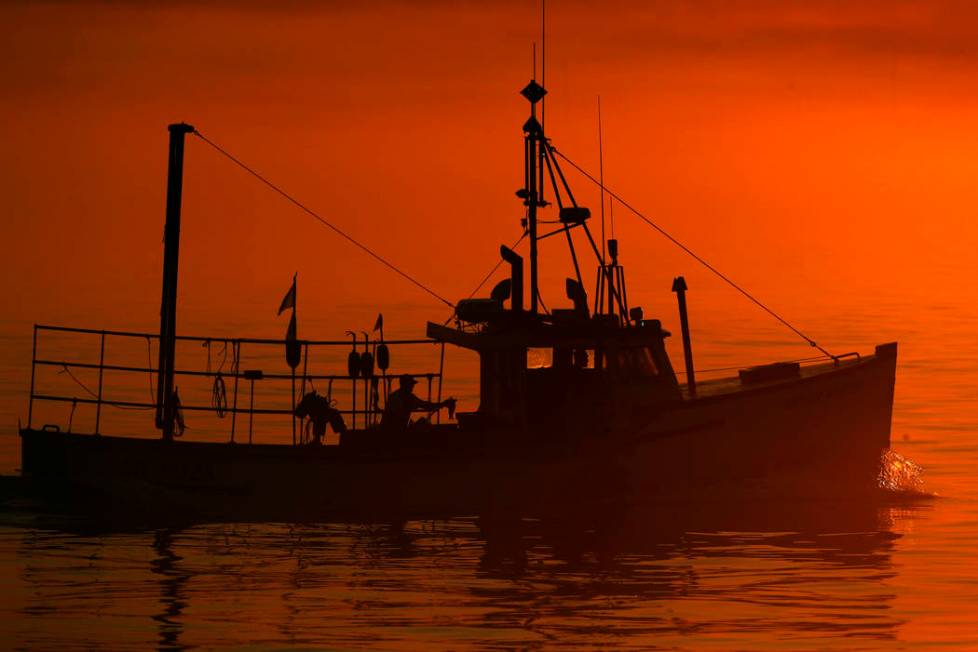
689 251
495 267
542 304
219 395
66 370
601 177
323 220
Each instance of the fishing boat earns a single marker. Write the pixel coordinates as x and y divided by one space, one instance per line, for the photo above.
576 403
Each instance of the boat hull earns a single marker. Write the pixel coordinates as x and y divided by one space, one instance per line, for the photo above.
822 433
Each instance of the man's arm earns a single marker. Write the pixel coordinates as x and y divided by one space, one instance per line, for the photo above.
420 405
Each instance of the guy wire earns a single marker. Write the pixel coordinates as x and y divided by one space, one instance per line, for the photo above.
323 220
689 251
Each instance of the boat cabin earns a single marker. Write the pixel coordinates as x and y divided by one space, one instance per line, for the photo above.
565 368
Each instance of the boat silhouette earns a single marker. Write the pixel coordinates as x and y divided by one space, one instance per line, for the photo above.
604 420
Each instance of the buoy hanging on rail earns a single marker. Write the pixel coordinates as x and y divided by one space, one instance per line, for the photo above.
353 360
383 357
366 364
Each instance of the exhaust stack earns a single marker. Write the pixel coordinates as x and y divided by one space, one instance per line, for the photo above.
516 264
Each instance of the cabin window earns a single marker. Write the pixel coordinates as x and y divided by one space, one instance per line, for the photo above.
539 358
559 358
584 358
635 362
644 362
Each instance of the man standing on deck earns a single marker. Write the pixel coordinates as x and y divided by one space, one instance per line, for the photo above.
402 402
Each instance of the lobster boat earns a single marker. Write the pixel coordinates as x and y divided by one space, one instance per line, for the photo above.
576 403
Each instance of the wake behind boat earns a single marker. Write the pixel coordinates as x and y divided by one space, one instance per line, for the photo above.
578 403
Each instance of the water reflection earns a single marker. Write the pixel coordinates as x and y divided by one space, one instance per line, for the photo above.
792 572
172 586
816 574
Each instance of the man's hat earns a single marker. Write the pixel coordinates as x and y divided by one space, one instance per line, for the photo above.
408 379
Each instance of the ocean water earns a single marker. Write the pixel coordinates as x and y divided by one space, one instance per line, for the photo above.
893 573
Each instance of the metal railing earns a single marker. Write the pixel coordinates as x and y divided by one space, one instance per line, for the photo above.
365 387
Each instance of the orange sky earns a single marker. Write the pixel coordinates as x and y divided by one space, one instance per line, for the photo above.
824 154
826 143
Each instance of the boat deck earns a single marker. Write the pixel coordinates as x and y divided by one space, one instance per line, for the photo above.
733 384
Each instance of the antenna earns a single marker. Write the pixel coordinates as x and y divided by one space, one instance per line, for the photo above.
533 73
543 62
601 178
543 102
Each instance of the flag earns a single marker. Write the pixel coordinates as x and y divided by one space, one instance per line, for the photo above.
379 325
289 300
293 351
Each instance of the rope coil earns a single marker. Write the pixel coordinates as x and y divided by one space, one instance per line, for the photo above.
219 396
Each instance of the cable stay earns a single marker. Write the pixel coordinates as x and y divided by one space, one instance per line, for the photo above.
498 264
321 219
689 251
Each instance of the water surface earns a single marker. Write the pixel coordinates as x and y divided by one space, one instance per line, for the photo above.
894 573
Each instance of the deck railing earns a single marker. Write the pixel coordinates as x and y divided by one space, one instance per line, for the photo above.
360 388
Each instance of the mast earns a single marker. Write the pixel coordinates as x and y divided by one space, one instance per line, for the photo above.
165 397
533 178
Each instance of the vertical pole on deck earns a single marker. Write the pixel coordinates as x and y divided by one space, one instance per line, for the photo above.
532 222
295 306
679 287
165 407
366 385
383 370
532 192
236 348
353 392
441 372
251 411
30 404
101 370
624 294
305 369
302 390
599 291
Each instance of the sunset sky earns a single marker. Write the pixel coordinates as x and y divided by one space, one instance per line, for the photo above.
799 146
824 154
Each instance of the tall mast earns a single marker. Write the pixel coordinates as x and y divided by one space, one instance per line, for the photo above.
530 193
165 399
